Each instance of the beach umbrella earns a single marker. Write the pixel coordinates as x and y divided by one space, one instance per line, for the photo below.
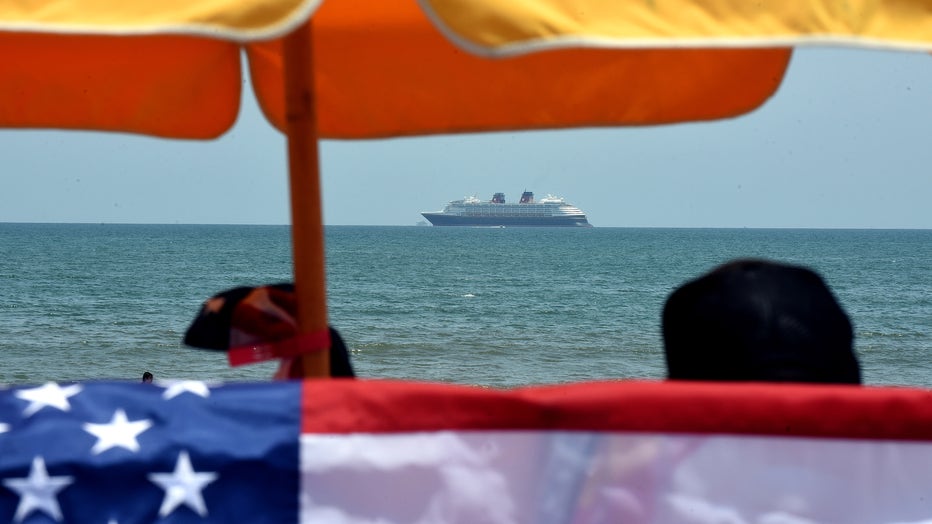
382 68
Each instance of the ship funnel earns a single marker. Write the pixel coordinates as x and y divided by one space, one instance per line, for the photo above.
527 197
498 198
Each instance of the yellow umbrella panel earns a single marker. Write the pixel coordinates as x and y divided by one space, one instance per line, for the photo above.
490 27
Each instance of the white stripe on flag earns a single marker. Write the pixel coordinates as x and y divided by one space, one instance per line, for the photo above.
583 477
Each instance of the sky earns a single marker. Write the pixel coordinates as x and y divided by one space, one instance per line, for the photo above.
846 142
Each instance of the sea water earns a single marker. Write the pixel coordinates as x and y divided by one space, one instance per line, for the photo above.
490 307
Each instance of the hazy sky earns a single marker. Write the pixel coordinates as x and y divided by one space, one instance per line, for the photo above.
845 142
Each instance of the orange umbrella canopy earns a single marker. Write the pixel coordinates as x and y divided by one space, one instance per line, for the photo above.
168 68
380 68
394 67
413 81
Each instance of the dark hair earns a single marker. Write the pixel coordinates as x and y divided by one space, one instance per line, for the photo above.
147 377
758 320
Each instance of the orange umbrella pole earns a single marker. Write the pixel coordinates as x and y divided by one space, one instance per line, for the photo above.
307 227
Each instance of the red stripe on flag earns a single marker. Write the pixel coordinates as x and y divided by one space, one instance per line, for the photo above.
372 406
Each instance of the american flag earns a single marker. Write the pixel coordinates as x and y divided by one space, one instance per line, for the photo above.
118 453
366 452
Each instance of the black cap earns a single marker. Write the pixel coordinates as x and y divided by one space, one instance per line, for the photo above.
757 320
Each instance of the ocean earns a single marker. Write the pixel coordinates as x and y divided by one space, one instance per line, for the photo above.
488 307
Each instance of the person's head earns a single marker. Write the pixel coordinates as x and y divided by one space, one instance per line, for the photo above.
147 377
248 316
756 320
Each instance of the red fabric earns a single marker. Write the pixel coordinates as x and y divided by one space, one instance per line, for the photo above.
266 314
263 327
342 406
286 349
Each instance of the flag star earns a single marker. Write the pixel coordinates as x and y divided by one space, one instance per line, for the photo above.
119 432
37 491
4 427
183 486
191 386
49 395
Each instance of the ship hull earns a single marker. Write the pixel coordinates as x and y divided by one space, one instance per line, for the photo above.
441 219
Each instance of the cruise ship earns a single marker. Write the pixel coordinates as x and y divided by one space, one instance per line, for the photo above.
549 211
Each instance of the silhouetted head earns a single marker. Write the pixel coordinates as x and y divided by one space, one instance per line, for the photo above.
755 320
147 377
